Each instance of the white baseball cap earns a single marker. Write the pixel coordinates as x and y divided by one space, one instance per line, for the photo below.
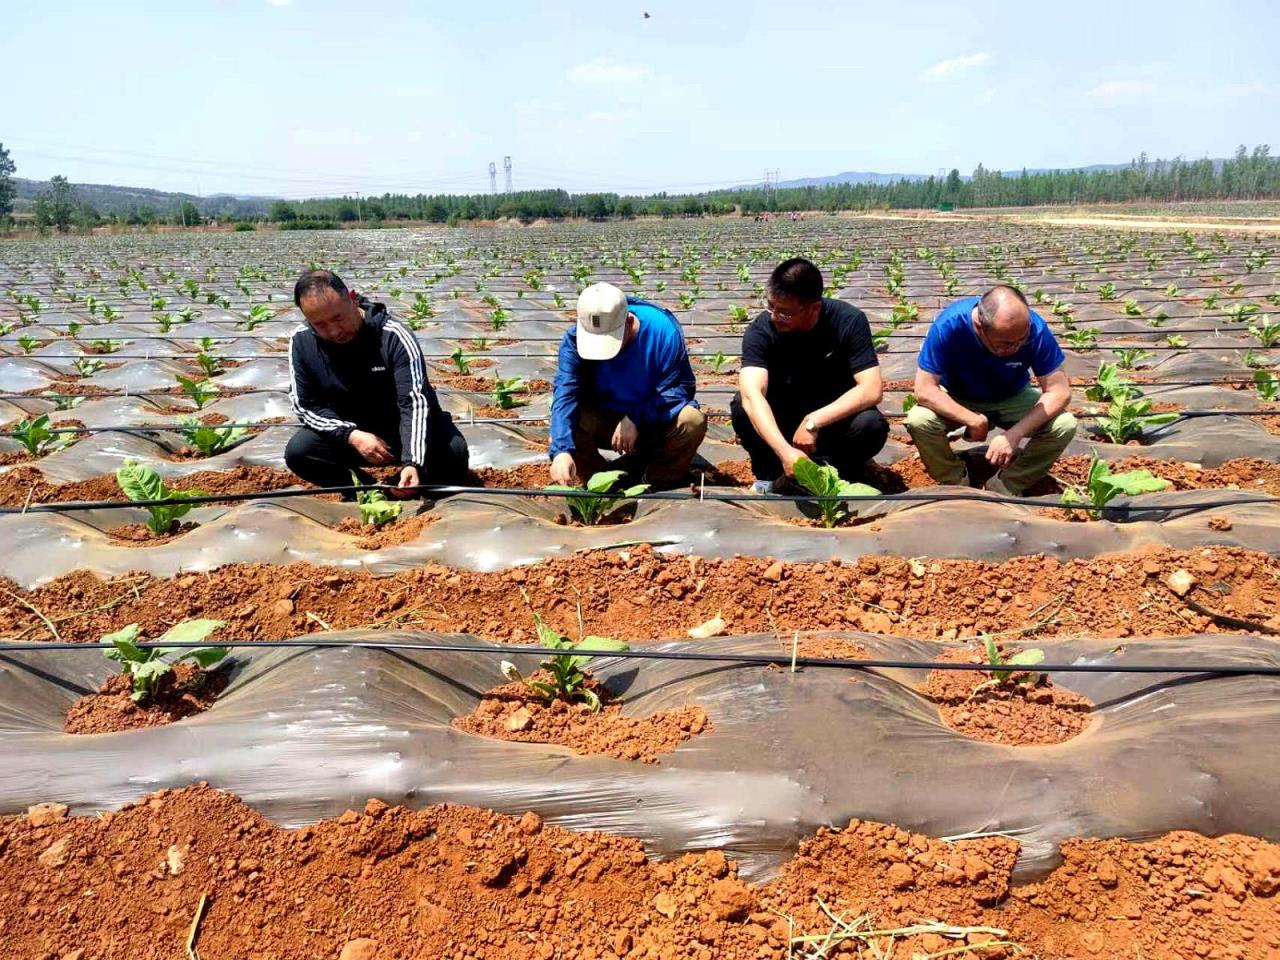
602 321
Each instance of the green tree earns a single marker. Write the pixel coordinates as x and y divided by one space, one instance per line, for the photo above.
56 207
7 187
188 215
953 182
282 211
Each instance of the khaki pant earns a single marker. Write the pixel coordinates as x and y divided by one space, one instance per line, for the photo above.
1033 461
662 456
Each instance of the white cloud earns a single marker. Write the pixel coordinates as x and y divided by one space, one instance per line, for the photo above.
946 68
607 72
985 97
1255 89
1123 89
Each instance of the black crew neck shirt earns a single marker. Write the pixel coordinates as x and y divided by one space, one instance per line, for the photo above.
810 369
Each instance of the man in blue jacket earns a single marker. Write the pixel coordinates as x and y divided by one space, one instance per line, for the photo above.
624 382
359 386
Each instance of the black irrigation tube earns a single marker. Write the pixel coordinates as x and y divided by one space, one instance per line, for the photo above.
753 659
459 418
438 491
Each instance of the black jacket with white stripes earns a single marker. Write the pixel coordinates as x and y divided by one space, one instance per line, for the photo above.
376 382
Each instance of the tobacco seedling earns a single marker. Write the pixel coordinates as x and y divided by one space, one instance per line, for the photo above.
717 361
106 346
200 391
590 510
1132 308
1267 332
1109 384
1102 486
1173 340
908 402
210 439
37 436
1254 359
568 682
499 318
141 482
1129 417
1127 357
1107 291
146 666
87 366
27 343
825 481
504 393
1082 338
1023 658
1267 384
375 508
259 313
461 362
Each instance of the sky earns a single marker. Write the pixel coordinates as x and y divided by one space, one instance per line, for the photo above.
301 98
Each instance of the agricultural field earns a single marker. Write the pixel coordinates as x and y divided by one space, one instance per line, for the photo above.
917 722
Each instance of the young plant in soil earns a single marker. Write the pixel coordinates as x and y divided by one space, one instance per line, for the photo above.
140 482
259 313
375 508
1255 360
37 436
590 511
1102 486
461 362
200 391
208 439
717 361
1110 384
567 680
1082 338
504 393
1129 417
1128 357
146 666
1267 384
87 366
1009 666
1267 332
825 481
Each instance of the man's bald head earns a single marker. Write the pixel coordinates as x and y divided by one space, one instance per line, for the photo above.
1004 319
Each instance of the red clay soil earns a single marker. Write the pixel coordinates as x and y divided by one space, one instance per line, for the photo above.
140 535
183 691
1025 710
1246 473
403 530
514 712
527 476
485 384
638 595
491 412
460 883
21 483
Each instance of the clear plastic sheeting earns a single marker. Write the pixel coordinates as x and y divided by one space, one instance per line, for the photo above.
305 733
488 532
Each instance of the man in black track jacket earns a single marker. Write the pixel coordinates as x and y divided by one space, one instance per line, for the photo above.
359 386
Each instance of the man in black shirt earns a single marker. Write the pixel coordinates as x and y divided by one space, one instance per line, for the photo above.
809 382
359 386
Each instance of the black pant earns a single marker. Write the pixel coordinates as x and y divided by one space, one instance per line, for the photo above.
328 462
847 444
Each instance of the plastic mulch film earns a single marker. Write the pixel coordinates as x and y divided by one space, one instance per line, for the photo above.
305 733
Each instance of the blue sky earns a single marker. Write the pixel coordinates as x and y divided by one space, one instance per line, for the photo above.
306 97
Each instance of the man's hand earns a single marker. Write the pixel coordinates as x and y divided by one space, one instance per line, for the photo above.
564 471
977 428
625 436
1000 451
789 459
805 440
370 446
408 485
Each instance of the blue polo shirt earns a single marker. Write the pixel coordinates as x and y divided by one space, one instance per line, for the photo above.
969 371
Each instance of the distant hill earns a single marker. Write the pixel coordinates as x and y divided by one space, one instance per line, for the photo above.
877 179
107 198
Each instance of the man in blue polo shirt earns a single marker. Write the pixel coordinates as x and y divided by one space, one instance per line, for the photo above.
624 382
974 371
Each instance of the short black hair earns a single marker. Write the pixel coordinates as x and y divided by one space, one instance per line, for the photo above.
316 280
989 298
798 279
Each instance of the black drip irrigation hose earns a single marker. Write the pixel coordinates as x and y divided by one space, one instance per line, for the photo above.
257 424
437 491
750 659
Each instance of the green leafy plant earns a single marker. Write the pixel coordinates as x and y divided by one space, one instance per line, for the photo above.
737 316
210 439
590 510
1173 340
1109 384
64 402
27 343
461 362
421 308
87 366
106 346
499 317
1129 417
141 482
210 364
504 393
908 402
823 480
1082 338
110 313
1007 666
1101 486
1267 384
1132 308
37 436
1127 357
567 680
1267 332
716 361
1107 291
1254 359
1239 312
258 314
145 666
200 391
480 344
375 508
687 299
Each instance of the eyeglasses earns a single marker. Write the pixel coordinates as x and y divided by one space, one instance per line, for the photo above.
997 346
783 315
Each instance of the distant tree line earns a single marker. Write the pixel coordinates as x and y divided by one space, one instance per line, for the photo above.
1249 175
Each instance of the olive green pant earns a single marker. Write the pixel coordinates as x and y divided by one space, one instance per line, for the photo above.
1033 461
662 456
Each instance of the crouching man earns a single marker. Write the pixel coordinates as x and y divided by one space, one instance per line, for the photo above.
974 372
624 382
359 386
809 382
